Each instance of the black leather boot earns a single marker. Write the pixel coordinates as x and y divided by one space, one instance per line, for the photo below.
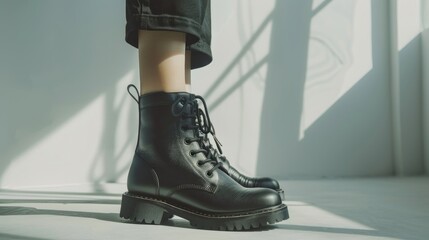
171 174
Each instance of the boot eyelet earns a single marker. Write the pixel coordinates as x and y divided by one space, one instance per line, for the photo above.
187 141
200 163
192 153
209 174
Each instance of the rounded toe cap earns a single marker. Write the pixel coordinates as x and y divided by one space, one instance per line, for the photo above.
268 183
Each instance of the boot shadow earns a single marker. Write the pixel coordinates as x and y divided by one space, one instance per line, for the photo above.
109 217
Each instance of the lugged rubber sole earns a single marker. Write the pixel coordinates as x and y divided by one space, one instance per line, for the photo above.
154 211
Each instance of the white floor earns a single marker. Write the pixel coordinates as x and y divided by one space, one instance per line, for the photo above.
378 208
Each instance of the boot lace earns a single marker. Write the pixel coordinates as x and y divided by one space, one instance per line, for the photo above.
208 128
187 108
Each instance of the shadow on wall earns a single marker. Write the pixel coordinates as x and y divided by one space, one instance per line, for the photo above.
352 137
411 106
56 58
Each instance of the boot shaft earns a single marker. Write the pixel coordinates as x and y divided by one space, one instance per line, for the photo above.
160 122
167 121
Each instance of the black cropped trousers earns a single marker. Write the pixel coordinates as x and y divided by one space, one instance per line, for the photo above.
192 17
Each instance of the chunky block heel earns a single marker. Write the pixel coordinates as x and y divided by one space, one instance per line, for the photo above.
141 211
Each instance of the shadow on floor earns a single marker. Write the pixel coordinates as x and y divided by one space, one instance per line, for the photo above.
18 237
17 210
361 232
110 217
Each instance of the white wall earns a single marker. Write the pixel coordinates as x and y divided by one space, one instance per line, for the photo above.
306 87
298 89
425 46
64 67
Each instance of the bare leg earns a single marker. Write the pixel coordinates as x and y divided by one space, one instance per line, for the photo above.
188 70
162 61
